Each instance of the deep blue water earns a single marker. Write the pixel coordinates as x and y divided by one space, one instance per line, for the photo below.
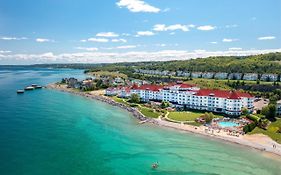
50 132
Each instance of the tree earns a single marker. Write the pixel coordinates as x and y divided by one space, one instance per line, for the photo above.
269 112
135 98
245 111
164 104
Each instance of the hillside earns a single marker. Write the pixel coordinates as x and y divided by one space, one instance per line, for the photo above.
265 63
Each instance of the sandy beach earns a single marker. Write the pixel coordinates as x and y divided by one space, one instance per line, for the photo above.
257 141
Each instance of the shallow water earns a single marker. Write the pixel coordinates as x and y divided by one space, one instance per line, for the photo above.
49 132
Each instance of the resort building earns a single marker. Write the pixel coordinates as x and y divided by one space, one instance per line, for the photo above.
192 97
196 74
250 76
269 77
235 76
221 75
208 75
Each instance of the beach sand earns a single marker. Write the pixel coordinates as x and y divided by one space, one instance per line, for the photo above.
256 141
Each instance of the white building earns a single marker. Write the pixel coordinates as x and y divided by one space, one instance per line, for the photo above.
208 75
190 96
250 76
269 77
235 76
196 74
221 75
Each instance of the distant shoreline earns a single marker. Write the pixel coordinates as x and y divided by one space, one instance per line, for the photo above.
258 141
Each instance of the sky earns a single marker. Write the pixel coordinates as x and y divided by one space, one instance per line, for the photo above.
105 31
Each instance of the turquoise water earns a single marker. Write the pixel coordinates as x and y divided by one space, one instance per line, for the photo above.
228 124
45 132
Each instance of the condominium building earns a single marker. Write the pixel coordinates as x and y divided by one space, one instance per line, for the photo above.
192 97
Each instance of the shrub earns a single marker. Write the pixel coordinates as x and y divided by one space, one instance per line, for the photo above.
249 127
254 118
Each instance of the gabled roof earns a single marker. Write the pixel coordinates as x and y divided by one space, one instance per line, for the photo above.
150 87
223 94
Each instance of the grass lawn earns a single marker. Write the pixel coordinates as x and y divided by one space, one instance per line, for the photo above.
271 131
186 115
120 100
149 112
109 74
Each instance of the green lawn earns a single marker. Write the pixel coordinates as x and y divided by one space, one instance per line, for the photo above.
271 131
120 100
186 115
149 112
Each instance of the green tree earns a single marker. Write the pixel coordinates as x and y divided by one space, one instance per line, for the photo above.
245 111
135 98
269 112
164 104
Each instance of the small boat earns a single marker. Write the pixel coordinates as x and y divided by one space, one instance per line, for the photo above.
34 85
38 87
142 122
29 88
20 91
154 165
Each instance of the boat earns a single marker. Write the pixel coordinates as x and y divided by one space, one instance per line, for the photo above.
38 87
154 165
29 88
142 122
34 85
20 91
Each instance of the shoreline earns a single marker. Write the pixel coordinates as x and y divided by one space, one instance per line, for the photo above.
259 142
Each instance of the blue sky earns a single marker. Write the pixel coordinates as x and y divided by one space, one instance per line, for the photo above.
135 30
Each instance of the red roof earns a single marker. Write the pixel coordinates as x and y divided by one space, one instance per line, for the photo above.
222 93
186 85
150 87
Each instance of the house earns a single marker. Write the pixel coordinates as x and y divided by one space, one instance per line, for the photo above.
196 74
235 76
208 75
250 76
221 75
278 108
112 91
269 77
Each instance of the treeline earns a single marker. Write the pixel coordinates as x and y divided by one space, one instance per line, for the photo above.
264 63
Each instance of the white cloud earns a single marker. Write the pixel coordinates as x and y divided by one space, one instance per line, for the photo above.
267 38
231 26
229 40
137 6
12 38
206 27
126 47
126 34
214 42
199 51
107 34
43 40
87 48
235 48
161 45
98 40
109 57
121 40
5 51
166 10
145 33
163 27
